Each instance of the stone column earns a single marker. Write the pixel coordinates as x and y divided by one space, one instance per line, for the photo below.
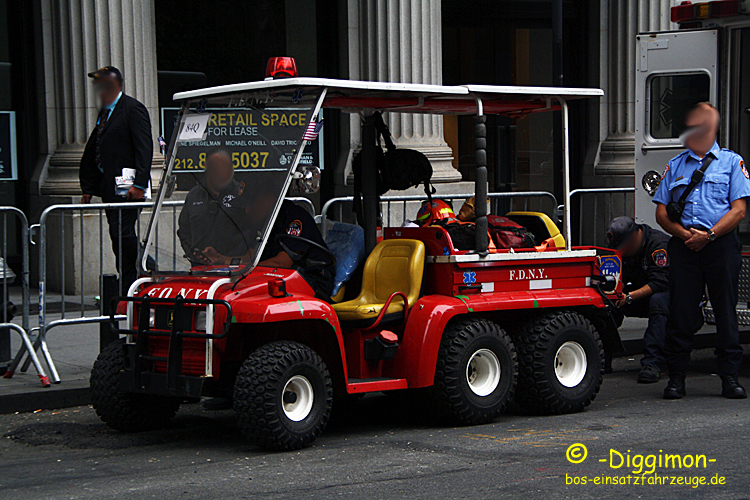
80 36
401 41
624 20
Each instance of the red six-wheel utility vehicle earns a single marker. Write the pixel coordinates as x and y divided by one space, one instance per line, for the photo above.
477 327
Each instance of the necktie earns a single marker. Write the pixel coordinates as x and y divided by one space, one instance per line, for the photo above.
100 123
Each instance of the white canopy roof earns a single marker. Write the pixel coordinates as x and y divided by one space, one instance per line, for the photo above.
350 95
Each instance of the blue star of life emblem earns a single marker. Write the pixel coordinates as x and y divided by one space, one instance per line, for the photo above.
202 106
297 96
470 277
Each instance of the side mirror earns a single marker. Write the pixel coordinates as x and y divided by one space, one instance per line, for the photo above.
306 179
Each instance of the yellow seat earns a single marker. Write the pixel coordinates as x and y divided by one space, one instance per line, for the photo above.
540 225
393 266
340 295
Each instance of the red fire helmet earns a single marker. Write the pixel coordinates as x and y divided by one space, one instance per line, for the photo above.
432 211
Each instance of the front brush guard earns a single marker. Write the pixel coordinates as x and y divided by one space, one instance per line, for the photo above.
136 378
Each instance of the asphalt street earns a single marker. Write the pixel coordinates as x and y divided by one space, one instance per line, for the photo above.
390 447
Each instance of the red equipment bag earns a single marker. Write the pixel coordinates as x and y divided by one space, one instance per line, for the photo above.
509 234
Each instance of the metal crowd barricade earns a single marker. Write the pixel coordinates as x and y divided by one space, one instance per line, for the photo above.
606 197
76 315
387 203
24 328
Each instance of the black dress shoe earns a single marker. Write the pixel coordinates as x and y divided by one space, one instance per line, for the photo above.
676 387
649 375
731 388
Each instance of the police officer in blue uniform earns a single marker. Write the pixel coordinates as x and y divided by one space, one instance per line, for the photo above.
704 250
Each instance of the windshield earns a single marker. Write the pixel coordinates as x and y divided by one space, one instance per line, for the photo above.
230 165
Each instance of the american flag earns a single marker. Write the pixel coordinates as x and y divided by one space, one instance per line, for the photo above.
312 131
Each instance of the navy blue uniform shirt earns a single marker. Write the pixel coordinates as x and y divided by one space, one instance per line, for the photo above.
650 266
297 221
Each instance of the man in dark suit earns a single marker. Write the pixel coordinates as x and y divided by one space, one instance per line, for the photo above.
116 165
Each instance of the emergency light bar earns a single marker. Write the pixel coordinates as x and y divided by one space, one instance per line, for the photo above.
687 11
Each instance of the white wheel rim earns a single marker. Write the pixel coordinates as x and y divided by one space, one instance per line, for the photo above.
483 372
297 398
570 364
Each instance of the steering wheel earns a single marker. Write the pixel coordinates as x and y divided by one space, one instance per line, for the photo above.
301 259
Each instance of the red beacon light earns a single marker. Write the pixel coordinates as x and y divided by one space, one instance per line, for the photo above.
681 13
281 67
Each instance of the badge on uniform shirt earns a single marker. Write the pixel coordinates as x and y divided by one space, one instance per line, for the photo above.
660 257
294 228
227 200
666 169
744 169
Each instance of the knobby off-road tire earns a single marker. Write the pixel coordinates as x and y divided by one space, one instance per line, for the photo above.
283 396
476 372
127 412
561 363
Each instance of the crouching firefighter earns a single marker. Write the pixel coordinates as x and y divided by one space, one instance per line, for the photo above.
645 276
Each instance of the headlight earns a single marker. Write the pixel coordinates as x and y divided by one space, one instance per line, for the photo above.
200 321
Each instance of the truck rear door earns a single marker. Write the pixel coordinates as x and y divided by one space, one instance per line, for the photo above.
736 112
674 71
